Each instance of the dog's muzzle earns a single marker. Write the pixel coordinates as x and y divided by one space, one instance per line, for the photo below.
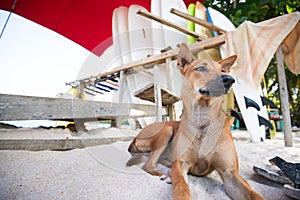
218 87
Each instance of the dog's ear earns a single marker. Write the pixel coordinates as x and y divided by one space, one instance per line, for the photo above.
227 63
185 57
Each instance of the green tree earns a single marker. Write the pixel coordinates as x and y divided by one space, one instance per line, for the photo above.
256 11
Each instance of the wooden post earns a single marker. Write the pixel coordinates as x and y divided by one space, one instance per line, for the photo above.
284 99
81 90
157 95
169 70
117 122
170 84
79 123
122 86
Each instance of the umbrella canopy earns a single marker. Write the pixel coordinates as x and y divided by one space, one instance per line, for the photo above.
86 22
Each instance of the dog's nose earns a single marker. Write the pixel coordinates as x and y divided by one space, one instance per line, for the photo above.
227 80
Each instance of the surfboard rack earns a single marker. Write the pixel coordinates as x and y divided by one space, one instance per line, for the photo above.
149 62
151 92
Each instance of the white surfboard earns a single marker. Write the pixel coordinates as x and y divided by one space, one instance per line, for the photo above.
158 43
140 40
123 16
172 38
241 89
218 19
122 52
250 114
118 61
116 41
124 46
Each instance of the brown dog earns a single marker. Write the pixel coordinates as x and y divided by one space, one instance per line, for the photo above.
203 141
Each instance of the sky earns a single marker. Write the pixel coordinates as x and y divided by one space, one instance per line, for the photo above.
36 61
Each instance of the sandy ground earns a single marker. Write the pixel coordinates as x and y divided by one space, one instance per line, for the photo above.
99 172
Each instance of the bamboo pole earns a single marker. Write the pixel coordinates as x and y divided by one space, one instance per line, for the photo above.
284 99
170 24
197 21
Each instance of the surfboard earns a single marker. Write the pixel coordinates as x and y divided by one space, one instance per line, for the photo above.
116 41
212 54
158 42
122 54
172 38
189 24
220 20
161 74
140 40
242 90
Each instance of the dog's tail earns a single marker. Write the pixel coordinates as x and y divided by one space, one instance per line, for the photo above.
136 158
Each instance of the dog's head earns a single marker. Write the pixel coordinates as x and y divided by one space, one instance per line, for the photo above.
207 78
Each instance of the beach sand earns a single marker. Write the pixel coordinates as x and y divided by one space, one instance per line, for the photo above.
99 172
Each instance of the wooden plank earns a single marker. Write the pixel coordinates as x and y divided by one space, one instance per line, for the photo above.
15 107
197 21
148 93
284 99
56 144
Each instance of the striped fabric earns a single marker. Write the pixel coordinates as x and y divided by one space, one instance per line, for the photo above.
256 43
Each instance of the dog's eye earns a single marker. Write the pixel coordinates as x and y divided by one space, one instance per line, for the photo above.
201 68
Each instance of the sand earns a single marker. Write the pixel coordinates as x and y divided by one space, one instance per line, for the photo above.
99 172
